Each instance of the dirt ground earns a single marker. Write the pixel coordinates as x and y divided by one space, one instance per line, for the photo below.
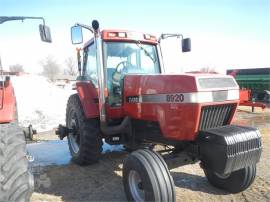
103 181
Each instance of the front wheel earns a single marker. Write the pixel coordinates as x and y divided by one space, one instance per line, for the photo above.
233 182
146 177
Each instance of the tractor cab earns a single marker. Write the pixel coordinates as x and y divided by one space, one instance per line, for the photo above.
122 54
124 57
112 54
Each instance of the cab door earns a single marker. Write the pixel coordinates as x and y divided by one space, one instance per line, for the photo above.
87 85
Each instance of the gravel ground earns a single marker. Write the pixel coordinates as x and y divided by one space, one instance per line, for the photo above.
103 181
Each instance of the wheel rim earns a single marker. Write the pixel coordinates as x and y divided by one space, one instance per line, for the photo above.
222 176
136 186
74 136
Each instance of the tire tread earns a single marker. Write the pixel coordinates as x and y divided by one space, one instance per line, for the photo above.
15 178
91 142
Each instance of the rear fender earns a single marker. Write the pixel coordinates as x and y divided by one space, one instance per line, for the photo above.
8 104
89 98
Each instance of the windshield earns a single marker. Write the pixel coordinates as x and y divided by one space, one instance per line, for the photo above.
131 58
121 58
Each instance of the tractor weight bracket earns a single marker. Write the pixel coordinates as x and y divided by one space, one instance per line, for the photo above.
29 132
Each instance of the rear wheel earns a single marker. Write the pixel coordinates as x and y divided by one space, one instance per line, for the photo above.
146 177
85 143
234 182
16 182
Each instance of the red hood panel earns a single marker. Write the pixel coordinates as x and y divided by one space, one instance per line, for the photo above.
156 84
147 97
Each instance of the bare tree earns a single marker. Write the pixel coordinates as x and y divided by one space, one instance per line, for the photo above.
50 67
208 69
70 67
16 68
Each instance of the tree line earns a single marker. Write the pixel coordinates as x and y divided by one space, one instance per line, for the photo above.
51 68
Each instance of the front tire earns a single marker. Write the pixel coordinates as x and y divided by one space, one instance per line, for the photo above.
85 143
16 182
234 182
146 177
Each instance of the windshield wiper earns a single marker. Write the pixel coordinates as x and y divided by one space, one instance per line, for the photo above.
138 43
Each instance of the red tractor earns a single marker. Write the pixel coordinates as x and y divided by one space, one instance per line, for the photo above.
16 182
124 97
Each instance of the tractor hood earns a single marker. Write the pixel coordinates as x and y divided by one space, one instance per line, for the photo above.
181 105
186 88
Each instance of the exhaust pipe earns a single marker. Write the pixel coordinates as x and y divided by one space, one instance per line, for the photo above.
125 124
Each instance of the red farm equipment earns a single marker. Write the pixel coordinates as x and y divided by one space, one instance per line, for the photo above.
245 96
124 97
16 182
252 82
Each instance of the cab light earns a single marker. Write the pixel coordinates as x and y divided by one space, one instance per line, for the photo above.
147 37
122 34
153 38
111 34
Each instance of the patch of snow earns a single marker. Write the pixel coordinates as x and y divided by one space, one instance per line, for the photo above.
40 102
43 104
109 148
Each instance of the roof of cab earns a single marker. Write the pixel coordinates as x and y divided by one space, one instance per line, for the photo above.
129 36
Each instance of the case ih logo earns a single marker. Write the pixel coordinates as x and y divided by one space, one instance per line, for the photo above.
133 99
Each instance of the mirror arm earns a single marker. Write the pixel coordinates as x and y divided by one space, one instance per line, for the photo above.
6 18
85 27
165 36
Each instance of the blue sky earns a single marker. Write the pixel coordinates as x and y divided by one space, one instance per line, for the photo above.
230 23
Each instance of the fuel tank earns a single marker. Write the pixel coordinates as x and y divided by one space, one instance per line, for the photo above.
181 105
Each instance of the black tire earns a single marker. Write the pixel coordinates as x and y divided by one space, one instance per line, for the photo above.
146 172
234 182
16 182
87 134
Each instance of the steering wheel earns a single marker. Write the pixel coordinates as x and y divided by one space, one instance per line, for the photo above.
124 64
116 77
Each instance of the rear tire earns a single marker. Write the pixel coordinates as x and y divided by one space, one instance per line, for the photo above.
146 177
85 144
16 182
234 182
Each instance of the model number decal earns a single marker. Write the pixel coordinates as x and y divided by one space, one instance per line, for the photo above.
175 98
133 99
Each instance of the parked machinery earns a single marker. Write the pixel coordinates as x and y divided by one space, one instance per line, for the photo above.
16 182
124 97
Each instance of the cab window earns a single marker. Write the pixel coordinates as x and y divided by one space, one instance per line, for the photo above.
90 66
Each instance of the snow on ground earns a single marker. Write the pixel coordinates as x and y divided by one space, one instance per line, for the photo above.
40 102
43 104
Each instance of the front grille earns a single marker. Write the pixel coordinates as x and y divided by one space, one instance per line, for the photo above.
215 116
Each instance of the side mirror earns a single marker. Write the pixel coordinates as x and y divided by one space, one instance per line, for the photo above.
45 33
186 45
76 35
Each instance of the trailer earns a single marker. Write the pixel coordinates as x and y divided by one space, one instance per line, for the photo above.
255 79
